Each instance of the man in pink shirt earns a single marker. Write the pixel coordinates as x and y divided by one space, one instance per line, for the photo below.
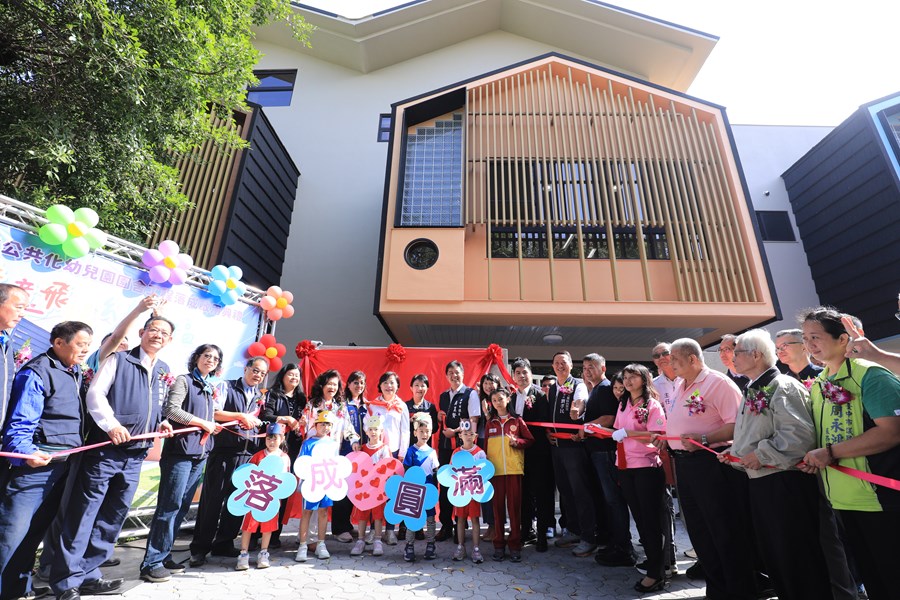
704 410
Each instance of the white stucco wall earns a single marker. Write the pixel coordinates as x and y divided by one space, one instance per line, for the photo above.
330 131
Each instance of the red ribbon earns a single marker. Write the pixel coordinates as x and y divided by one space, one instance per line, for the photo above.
306 349
496 353
395 353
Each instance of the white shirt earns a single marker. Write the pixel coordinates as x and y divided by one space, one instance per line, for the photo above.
97 395
665 387
396 427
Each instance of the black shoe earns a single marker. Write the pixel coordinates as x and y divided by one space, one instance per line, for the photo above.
100 586
112 562
541 544
156 574
409 553
430 553
172 566
695 572
420 535
227 551
499 555
528 538
197 560
615 557
70 594
515 556
646 589
444 534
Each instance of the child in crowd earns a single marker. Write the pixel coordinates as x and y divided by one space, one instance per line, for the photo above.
274 445
506 437
472 510
422 455
323 424
378 450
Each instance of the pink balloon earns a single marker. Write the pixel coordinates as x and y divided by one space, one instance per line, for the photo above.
267 303
274 314
152 257
185 261
274 291
178 276
287 311
288 296
159 274
168 248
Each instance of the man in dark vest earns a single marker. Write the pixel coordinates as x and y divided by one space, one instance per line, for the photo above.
458 403
216 528
13 302
46 415
124 400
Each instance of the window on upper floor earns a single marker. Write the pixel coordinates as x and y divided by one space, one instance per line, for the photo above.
775 226
275 88
384 127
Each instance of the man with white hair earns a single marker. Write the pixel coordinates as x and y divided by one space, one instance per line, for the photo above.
726 355
702 416
772 433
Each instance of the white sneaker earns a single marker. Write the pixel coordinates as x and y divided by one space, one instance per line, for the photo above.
262 559
370 537
322 551
301 553
390 538
243 562
551 531
358 548
378 550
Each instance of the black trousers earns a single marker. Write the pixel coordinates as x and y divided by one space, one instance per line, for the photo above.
716 525
340 517
645 492
215 527
784 505
872 538
574 477
538 493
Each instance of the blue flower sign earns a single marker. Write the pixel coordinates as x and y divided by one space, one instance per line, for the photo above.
467 479
409 497
260 488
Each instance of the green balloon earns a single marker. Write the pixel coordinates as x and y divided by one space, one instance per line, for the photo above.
60 213
76 247
53 234
95 238
88 216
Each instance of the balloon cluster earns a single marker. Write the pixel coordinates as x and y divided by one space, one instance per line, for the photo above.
268 347
166 264
277 304
74 231
225 284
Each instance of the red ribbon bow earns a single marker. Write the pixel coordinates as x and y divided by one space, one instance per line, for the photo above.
306 349
395 353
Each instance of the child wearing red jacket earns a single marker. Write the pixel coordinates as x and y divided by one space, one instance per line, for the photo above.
506 437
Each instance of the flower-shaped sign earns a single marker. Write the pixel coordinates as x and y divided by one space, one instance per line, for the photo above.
409 497
225 284
260 488
268 347
467 479
277 304
306 349
166 264
324 472
74 231
366 482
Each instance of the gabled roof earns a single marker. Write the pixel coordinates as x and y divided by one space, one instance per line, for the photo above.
658 51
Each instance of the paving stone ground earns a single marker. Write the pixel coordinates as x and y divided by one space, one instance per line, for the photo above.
554 574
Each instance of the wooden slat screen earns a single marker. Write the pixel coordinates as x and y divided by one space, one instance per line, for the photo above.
556 148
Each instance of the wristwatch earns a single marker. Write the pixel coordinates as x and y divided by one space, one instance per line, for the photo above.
704 441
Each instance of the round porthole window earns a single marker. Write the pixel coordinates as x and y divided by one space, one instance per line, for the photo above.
421 254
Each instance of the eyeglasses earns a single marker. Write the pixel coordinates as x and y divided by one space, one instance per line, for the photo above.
742 351
784 346
211 357
256 371
159 332
657 355
725 349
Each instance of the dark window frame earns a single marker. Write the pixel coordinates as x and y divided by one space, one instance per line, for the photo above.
261 91
384 132
770 230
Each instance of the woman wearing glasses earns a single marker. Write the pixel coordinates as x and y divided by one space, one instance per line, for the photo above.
190 403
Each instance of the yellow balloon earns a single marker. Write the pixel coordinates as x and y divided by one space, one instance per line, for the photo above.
281 303
271 352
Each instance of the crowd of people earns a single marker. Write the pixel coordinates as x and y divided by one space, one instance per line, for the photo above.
747 453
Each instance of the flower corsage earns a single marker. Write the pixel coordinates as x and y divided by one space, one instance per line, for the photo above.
835 393
758 402
695 404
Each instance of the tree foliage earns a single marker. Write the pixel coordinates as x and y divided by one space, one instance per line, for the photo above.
98 97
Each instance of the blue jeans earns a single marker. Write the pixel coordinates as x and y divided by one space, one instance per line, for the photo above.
95 504
179 477
616 509
27 507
